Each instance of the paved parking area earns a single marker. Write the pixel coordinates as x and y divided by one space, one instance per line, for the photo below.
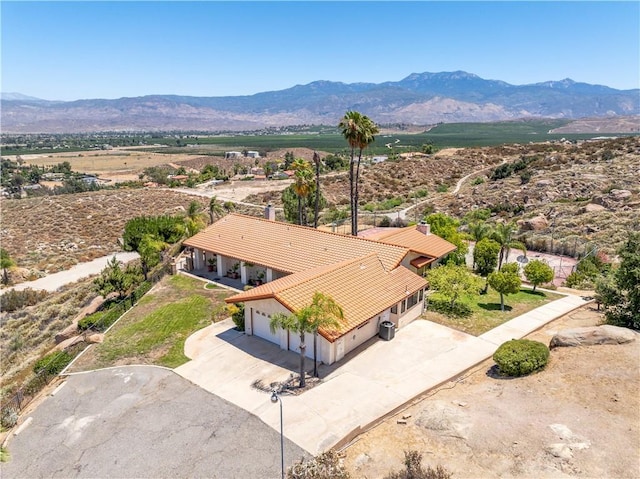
380 377
143 422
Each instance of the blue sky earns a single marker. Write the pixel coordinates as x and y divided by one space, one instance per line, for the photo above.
74 50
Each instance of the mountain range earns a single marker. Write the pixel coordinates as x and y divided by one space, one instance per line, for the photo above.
420 99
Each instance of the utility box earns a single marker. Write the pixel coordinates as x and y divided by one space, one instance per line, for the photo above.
387 330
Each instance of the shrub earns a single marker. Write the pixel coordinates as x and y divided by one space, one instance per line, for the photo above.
458 310
237 315
414 469
53 363
326 465
520 357
478 180
385 222
13 300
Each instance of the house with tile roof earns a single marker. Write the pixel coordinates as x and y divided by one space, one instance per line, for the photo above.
373 280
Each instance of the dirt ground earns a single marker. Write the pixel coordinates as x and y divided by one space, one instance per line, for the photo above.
580 417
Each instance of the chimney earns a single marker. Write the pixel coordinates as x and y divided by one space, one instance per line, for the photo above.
270 213
424 228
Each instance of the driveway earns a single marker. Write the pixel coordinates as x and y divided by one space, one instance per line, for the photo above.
143 422
370 383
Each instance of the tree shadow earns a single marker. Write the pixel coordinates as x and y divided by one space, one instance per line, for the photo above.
533 293
494 307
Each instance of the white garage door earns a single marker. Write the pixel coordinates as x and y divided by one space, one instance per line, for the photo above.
261 327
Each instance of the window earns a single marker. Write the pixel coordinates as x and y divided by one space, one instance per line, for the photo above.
394 309
403 307
412 300
421 295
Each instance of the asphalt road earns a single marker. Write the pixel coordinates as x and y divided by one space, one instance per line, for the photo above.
143 422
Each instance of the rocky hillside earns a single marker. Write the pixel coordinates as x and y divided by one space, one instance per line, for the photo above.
566 197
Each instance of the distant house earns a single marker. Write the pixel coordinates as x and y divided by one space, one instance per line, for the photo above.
372 280
253 154
379 159
229 155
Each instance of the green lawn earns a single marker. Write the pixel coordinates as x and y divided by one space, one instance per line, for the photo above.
154 331
485 310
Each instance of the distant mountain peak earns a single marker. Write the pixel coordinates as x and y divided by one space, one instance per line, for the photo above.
420 98
18 97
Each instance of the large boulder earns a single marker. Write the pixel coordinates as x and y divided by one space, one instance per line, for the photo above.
535 224
592 335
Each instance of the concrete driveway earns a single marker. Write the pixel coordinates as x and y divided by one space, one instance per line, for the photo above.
371 382
367 384
143 422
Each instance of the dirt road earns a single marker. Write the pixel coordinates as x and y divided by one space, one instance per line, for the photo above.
577 418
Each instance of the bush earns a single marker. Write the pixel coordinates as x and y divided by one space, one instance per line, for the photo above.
326 465
385 222
520 357
414 469
237 315
13 300
458 310
53 363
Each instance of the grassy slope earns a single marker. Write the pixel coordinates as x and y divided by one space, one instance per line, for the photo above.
155 330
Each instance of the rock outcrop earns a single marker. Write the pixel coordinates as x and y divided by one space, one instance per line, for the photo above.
593 335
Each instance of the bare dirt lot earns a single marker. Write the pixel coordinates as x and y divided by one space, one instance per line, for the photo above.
580 417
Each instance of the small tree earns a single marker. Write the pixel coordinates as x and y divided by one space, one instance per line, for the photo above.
621 295
485 257
453 281
6 263
538 272
505 281
113 279
149 249
447 228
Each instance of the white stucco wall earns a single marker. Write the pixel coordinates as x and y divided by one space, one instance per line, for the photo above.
257 317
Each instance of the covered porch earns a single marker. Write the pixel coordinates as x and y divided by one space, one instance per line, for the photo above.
232 272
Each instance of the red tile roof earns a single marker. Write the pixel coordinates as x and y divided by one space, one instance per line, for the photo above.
361 286
409 237
286 247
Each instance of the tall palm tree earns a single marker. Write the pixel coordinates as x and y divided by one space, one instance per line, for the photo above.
359 131
215 209
503 235
316 209
302 186
326 312
321 313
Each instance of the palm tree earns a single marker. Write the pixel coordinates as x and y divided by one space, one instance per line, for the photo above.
326 312
193 220
503 235
323 312
359 131
215 209
302 187
479 230
316 209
